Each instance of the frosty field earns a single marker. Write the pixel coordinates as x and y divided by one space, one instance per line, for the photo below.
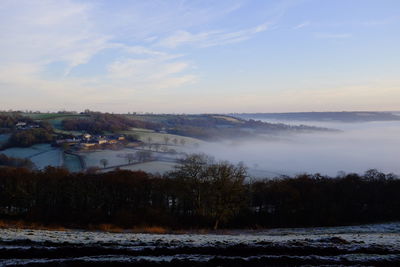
42 155
364 245
4 138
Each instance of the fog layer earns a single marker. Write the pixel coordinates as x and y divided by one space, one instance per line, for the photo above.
359 147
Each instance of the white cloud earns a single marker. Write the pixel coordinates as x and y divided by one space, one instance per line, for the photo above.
210 38
301 25
36 34
45 31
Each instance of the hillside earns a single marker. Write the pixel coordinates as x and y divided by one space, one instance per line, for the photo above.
344 116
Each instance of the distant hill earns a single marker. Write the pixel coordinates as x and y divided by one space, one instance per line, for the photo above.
207 127
362 116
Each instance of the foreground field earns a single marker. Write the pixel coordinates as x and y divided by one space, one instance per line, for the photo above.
353 245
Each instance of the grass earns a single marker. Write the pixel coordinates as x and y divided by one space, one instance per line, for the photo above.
228 118
144 134
75 133
54 119
20 224
143 229
111 228
104 227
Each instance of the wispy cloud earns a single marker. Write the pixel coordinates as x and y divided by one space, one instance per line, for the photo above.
333 35
301 25
210 38
42 33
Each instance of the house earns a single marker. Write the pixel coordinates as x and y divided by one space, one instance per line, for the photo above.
87 136
20 124
87 145
101 141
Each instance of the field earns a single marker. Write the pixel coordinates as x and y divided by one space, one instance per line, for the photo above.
41 155
75 133
118 158
365 245
4 138
51 116
114 157
54 119
228 118
144 134
72 163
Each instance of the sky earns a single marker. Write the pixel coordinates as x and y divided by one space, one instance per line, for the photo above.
200 56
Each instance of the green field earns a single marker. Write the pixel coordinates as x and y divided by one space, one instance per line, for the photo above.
75 133
51 116
55 119
144 134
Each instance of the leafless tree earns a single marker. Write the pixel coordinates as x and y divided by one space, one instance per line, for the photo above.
182 141
166 139
157 147
104 162
130 157
144 155
175 141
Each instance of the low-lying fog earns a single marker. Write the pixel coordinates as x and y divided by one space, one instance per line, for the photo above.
359 147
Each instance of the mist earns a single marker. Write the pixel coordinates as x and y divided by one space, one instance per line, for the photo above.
356 148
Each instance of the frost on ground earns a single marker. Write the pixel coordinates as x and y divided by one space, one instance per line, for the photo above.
4 138
367 244
72 163
42 155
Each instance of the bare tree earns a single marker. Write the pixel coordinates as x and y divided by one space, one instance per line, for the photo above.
157 147
130 157
149 142
166 139
144 155
218 187
172 151
175 141
104 162
182 141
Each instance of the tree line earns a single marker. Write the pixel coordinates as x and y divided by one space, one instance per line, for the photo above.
200 193
15 162
8 121
98 123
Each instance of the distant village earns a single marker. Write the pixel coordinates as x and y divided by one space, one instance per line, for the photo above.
88 140
21 125
84 141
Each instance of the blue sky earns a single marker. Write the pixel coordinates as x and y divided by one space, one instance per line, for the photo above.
200 56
